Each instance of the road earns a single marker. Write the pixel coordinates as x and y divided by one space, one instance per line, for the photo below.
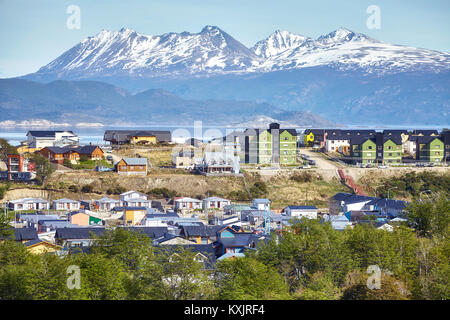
327 169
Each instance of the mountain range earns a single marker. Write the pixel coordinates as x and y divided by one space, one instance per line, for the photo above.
343 76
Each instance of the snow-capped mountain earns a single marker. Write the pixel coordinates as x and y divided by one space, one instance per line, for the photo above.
346 49
278 42
213 51
126 52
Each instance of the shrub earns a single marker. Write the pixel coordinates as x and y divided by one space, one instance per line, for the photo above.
87 188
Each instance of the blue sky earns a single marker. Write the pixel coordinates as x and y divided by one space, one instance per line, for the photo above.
33 33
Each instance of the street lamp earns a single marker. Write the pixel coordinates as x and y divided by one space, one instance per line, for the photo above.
391 189
381 185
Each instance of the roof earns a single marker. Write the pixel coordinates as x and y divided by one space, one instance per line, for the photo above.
22 234
78 233
64 200
215 199
187 199
106 199
194 231
37 241
135 161
46 134
302 207
151 232
129 208
240 239
207 250
23 200
261 201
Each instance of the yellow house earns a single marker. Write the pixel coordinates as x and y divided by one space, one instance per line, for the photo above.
133 215
25 149
40 247
142 137
309 138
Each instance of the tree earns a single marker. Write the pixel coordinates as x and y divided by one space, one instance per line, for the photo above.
42 166
180 275
5 149
320 287
356 288
430 217
249 279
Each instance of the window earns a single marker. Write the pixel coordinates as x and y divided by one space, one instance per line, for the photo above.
369 147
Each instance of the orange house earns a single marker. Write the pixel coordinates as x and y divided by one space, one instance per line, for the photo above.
59 154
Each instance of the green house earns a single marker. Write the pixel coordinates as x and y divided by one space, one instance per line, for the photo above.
363 150
288 146
268 146
429 149
392 151
264 147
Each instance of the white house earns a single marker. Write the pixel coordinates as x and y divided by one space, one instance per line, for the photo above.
42 139
215 203
337 144
309 212
66 204
135 199
187 203
261 204
107 204
28 204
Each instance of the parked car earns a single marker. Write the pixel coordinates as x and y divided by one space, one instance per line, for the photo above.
312 162
431 164
109 158
420 164
383 167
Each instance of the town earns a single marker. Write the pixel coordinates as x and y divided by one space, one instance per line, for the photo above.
70 220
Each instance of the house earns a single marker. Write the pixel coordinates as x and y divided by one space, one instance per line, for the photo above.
132 215
66 204
132 166
42 139
230 240
203 253
142 137
338 144
77 237
32 220
273 145
389 148
235 209
39 246
261 204
363 149
119 137
106 204
19 168
151 232
309 212
386 207
186 203
200 234
83 219
445 137
183 159
218 163
171 239
215 203
28 204
73 154
429 149
21 235
135 199
337 222
344 202
47 225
